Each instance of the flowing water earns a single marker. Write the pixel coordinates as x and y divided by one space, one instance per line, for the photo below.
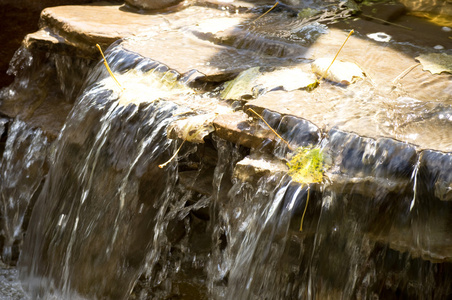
93 216
22 172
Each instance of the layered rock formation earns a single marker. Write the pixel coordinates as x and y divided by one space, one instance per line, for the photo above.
387 135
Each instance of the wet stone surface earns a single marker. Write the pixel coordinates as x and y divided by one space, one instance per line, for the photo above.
386 136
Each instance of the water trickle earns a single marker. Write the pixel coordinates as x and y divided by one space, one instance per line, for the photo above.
22 172
103 196
222 221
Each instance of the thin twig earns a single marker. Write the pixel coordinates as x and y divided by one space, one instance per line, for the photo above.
266 12
404 73
366 74
305 208
326 72
172 157
390 23
280 137
108 68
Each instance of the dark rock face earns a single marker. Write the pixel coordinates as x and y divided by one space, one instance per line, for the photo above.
16 23
18 18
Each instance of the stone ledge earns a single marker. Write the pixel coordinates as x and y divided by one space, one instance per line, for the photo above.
238 129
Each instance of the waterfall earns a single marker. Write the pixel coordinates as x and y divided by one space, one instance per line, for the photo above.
106 222
22 171
93 221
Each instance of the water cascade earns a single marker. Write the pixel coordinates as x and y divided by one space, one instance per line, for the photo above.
167 183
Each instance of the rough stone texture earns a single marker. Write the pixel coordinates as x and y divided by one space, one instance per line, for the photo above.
40 95
201 183
215 62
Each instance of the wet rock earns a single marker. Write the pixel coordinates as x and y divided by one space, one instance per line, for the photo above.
340 71
272 118
111 22
256 81
238 129
382 158
200 182
443 7
16 23
193 128
46 93
39 5
357 111
256 166
215 62
236 32
435 174
367 186
152 4
299 132
384 11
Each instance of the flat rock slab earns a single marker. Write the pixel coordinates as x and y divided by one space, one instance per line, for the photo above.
105 23
237 128
160 37
357 109
214 62
408 108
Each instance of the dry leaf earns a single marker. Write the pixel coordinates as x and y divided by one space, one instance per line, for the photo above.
436 63
340 71
252 82
307 165
241 87
289 79
192 129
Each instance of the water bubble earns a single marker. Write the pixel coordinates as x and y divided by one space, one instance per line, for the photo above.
380 37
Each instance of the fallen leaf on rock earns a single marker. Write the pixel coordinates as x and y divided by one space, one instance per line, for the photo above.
240 87
288 79
253 82
192 129
340 71
436 63
307 165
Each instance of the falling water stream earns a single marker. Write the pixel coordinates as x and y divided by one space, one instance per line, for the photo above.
92 215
